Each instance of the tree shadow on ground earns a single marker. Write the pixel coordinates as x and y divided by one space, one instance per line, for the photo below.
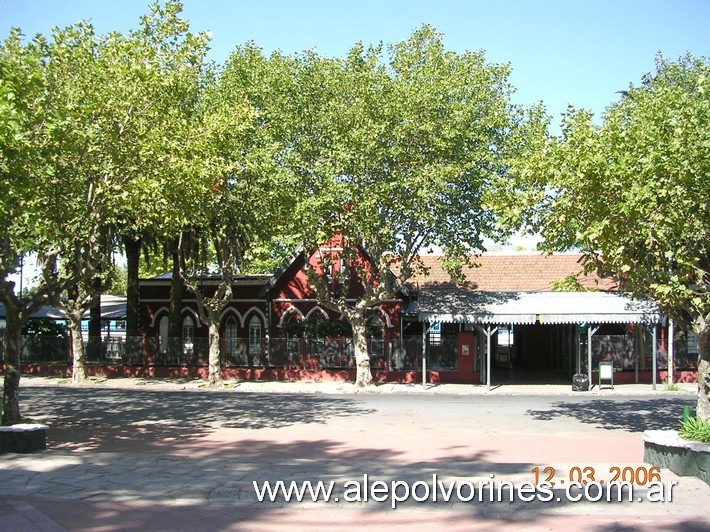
112 516
188 409
228 480
114 420
632 415
152 492
212 478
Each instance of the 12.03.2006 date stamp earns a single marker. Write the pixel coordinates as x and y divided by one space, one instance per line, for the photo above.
640 476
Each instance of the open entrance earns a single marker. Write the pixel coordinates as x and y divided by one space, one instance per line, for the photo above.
535 354
544 337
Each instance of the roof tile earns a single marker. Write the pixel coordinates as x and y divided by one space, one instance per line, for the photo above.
513 272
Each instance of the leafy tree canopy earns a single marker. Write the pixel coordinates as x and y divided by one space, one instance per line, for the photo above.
403 147
634 193
397 149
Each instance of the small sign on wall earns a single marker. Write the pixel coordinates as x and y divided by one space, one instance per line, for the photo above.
464 350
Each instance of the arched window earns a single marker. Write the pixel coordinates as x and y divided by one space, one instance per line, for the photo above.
293 342
254 339
377 337
163 334
231 340
317 338
188 335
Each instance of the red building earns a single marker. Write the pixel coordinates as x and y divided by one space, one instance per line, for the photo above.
519 317
274 327
510 322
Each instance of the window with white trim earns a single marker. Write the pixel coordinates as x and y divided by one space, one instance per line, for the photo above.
377 342
293 342
255 337
231 338
163 325
188 335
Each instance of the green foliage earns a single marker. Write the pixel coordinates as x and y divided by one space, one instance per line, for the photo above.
270 255
695 429
568 284
44 327
634 193
401 148
116 279
148 84
23 171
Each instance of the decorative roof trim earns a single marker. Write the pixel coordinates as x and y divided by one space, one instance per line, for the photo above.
527 308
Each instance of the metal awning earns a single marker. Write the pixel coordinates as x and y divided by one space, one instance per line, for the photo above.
45 312
459 305
112 308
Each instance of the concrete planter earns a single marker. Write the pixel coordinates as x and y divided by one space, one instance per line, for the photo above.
23 438
664 448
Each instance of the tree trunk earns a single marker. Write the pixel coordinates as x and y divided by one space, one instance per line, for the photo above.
133 255
175 312
363 378
703 332
94 350
215 377
12 339
77 344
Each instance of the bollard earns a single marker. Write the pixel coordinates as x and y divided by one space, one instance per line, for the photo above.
686 414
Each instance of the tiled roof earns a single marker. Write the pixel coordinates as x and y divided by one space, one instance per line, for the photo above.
512 272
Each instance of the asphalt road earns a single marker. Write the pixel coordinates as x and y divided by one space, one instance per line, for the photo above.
199 409
413 425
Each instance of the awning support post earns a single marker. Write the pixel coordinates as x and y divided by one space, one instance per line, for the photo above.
578 344
639 351
488 357
590 332
489 333
671 353
425 331
655 354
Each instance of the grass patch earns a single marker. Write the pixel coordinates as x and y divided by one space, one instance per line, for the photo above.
695 429
672 387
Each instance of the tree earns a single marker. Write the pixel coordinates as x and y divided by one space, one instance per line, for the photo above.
137 93
30 217
634 195
93 147
72 152
63 164
399 151
243 195
150 82
111 139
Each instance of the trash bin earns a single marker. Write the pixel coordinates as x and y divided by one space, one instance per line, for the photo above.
580 382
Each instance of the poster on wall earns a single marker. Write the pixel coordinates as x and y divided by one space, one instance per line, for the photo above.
619 349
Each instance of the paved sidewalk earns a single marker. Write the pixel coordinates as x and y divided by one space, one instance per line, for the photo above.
136 468
333 387
106 491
